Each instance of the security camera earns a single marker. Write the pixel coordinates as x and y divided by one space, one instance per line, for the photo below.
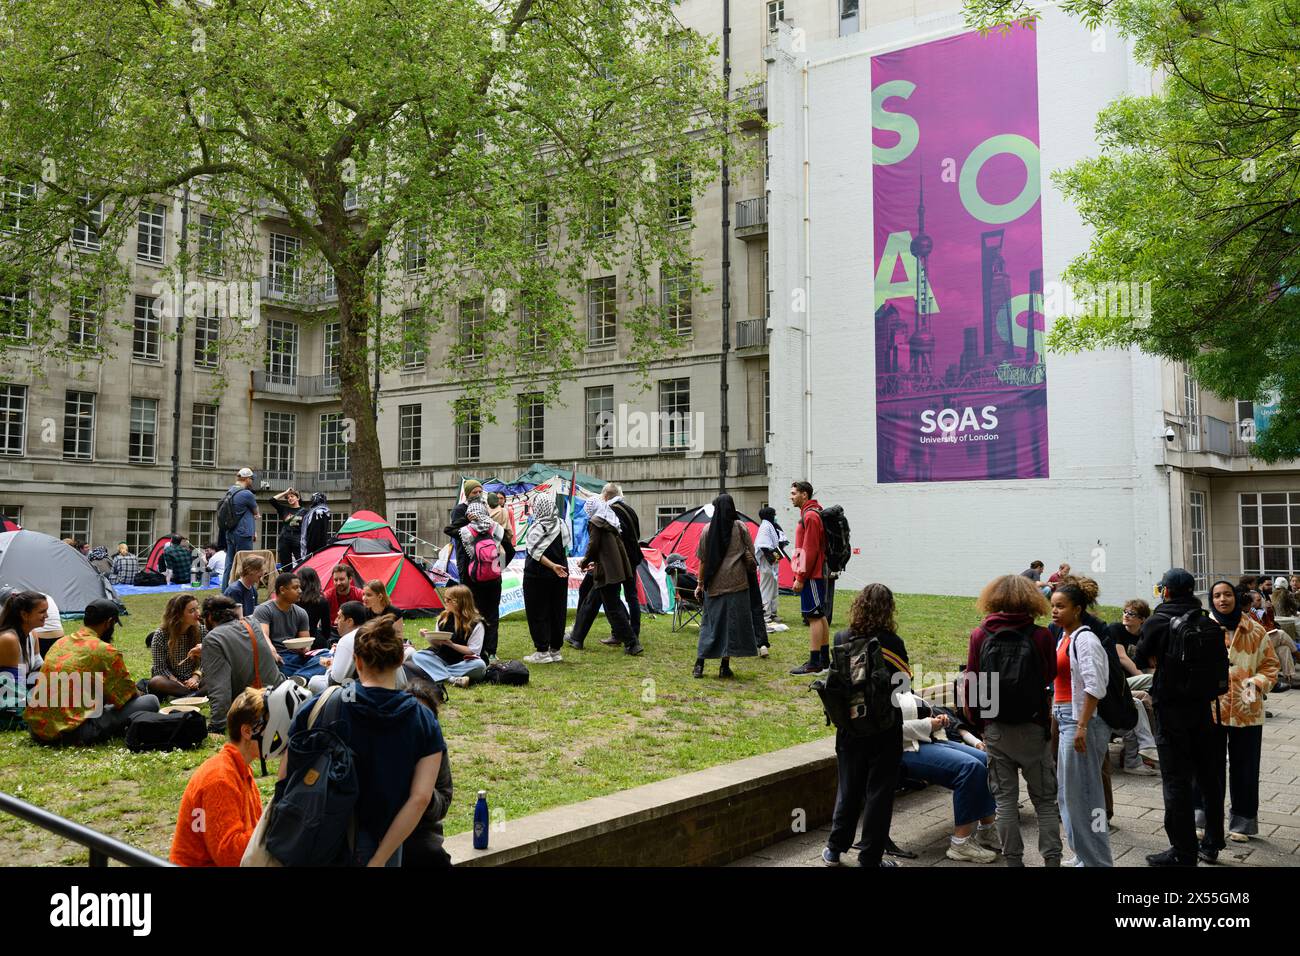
266 486
1169 433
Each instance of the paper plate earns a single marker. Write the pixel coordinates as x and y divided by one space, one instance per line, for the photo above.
440 636
189 701
299 643
174 709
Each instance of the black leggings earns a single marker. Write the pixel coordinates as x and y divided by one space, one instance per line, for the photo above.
546 603
487 598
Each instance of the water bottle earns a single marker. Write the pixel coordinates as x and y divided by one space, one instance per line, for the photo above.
481 821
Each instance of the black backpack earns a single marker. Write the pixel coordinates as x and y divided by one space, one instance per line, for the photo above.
179 730
857 692
1117 708
312 812
149 579
1195 663
511 673
838 547
227 519
1009 654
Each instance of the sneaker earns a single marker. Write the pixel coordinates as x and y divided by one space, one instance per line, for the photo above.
969 852
568 639
538 657
1169 857
830 857
611 641
763 651
1239 837
299 680
1207 855
776 627
1281 687
807 668
459 682
1151 756
1141 770
555 657
885 863
988 838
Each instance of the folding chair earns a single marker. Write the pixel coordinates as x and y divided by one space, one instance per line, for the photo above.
686 608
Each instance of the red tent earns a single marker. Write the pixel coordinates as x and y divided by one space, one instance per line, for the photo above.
154 563
683 535
408 587
8 524
366 524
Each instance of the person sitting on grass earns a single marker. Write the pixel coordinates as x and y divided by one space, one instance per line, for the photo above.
85 694
221 804
375 597
281 619
235 655
342 666
176 561
317 607
455 660
423 848
177 647
20 660
244 590
341 591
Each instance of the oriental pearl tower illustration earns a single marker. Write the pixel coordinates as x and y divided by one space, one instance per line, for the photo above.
920 345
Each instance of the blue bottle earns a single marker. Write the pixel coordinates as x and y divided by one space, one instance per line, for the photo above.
481 821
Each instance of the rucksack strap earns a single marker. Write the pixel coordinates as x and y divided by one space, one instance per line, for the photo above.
320 705
257 668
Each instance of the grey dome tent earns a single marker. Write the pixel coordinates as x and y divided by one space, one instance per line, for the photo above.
33 561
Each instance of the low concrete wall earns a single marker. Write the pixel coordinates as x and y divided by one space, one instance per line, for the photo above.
700 819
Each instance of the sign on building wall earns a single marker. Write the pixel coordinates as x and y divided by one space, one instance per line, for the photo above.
961 387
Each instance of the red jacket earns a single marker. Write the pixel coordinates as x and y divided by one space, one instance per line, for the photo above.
219 811
811 538
335 602
1041 637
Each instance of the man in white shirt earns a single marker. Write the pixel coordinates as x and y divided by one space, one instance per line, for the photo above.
216 562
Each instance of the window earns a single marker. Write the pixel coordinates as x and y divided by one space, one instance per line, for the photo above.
203 436
16 311
78 426
1192 410
467 431
211 242
604 217
146 338
536 218
1270 533
13 419
415 339
151 225
15 197
270 529
675 291
279 438
531 425
417 249
409 434
333 448
848 17
675 414
767 405
283 274
471 329
531 339
602 316
337 521
83 321
202 528
1198 539
406 524
333 343
664 515
767 287
677 194
775 14
600 421
281 352
139 530
85 235
13 512
75 523
143 444
207 330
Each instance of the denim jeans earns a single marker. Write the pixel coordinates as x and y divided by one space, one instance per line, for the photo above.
1080 791
962 769
1138 739
439 670
234 544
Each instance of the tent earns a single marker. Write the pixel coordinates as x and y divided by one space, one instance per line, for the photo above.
366 524
375 558
682 535
9 524
33 561
541 474
155 561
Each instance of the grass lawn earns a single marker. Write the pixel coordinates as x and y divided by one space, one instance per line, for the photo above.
597 723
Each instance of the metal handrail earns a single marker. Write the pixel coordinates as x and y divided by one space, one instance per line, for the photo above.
101 846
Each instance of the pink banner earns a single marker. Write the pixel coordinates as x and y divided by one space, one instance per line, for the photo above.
961 388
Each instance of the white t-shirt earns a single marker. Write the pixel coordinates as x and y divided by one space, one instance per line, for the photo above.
217 563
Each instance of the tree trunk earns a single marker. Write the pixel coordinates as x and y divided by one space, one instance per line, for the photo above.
354 376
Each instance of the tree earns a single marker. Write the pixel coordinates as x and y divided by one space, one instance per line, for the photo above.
1195 191
466 159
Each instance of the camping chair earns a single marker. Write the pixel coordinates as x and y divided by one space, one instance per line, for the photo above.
686 609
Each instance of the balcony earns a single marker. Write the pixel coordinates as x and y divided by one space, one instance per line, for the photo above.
1212 446
1216 437
753 99
289 291
751 219
751 334
306 481
307 388
750 461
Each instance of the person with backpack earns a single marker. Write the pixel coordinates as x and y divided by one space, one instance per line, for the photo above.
235 655
546 580
868 725
1082 676
423 848
456 659
811 580
1253 669
1186 647
485 545
729 627
315 533
395 748
1012 662
237 521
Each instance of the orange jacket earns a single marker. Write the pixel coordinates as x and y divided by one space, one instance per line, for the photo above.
219 812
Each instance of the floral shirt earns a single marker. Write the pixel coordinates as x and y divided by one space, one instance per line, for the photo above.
1251 659
66 693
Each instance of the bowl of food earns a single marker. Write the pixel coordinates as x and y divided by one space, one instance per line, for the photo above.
299 644
189 702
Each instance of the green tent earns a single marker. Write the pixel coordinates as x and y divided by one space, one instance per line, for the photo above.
543 472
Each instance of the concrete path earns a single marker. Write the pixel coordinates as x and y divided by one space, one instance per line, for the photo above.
923 821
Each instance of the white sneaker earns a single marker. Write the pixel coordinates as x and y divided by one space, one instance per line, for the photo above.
763 651
555 657
776 627
459 682
970 852
1141 770
538 657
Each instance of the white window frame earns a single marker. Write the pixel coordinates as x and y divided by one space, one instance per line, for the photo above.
334 454
599 441
282 352
279 444
410 434
1192 411
87 237
679 203
406 525
76 523
664 515
13 420
675 298
139 535
211 246
203 435
530 426
469 437
333 346
283 271
146 330
15 308
151 234
142 435
1198 538
415 346
469 326
202 527
85 313
775 14
602 312
207 334
537 217
674 424
78 417
15 196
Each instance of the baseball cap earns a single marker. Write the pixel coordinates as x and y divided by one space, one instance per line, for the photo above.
1279 582
245 473
97 612
1178 580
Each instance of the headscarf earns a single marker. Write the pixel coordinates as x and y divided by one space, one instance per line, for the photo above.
721 526
598 507
1230 620
544 528
769 514
98 554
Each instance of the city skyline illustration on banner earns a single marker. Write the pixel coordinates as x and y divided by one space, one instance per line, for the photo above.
961 384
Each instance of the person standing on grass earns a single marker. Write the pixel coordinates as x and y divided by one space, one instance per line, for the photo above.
729 627
288 544
177 648
479 528
589 599
606 560
546 581
423 848
769 548
869 766
222 793
244 533
1016 722
1084 735
1252 669
810 577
